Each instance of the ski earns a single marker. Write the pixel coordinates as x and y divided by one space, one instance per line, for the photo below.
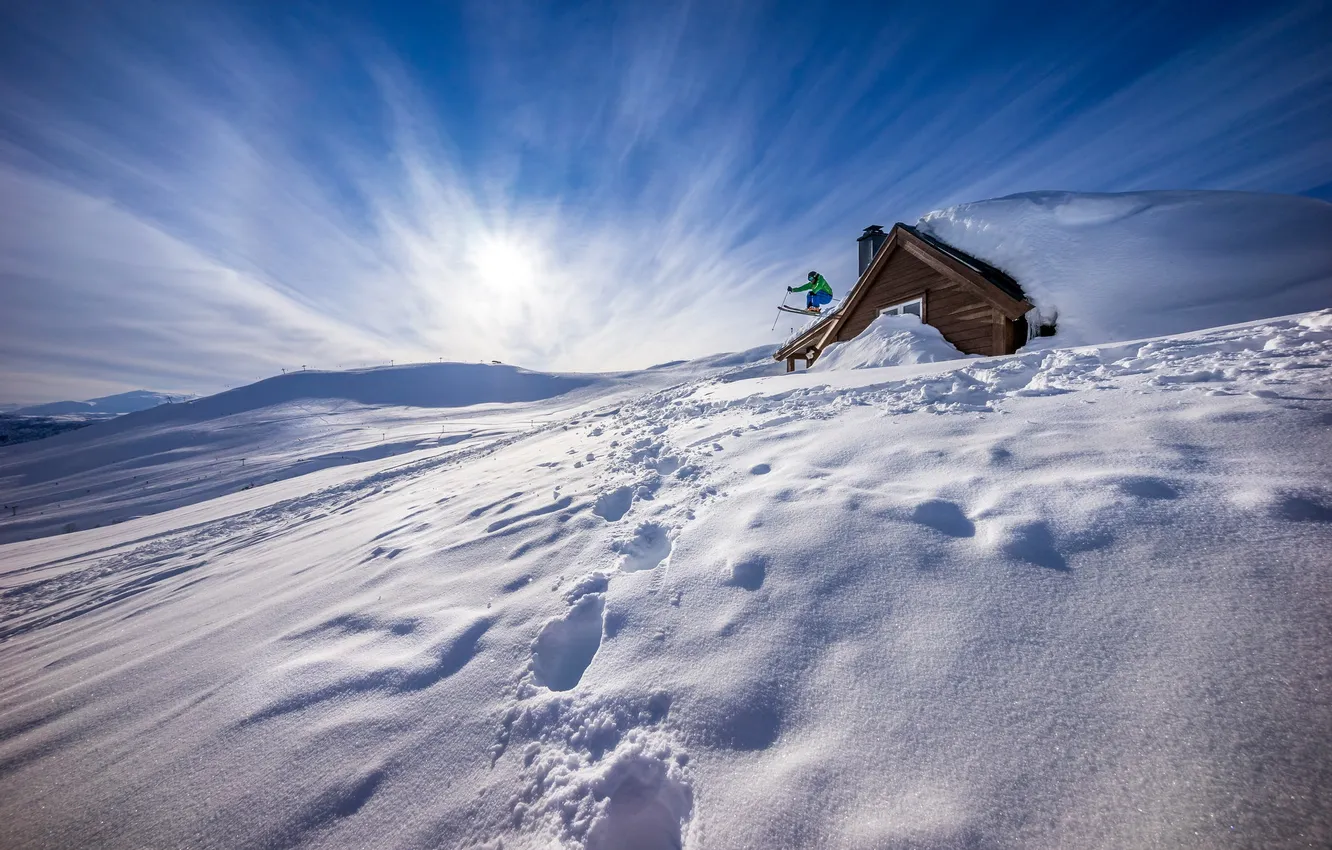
799 311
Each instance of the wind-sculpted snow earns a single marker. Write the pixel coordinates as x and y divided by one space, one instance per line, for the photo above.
1072 597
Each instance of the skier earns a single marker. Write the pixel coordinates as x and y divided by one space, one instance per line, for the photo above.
820 292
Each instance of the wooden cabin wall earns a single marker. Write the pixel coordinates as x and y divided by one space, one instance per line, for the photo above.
965 319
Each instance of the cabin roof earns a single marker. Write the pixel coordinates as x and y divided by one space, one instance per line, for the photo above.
803 340
999 278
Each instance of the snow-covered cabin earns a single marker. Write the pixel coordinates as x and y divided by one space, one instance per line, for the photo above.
977 307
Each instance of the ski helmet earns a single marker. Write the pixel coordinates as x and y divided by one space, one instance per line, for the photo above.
813 275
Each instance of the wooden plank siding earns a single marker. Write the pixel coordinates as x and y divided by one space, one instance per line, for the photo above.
963 319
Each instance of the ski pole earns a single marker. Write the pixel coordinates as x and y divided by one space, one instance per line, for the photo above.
779 311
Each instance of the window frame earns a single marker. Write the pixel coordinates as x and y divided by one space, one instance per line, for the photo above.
897 308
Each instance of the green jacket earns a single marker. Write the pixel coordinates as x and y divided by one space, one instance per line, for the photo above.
818 284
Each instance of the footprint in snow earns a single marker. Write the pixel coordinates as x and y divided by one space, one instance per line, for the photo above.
650 545
1301 508
1034 543
566 645
645 811
748 571
1148 487
944 517
613 505
760 469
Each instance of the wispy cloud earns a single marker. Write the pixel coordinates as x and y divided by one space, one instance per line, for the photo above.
191 202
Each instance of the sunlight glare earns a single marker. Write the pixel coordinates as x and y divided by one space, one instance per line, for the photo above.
504 266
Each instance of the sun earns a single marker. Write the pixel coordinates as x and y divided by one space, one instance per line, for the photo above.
503 265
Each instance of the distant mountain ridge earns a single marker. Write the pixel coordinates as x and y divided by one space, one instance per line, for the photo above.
111 405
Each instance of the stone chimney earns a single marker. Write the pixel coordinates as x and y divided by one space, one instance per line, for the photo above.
870 243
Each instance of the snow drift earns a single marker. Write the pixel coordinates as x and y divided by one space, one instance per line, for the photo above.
889 341
1139 264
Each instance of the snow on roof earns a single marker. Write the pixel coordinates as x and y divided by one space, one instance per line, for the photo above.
1138 264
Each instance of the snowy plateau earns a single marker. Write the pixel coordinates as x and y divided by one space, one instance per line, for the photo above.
1071 597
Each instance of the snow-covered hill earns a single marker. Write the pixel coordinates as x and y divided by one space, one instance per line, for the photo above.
111 405
1067 598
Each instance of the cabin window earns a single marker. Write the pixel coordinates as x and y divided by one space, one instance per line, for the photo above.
914 307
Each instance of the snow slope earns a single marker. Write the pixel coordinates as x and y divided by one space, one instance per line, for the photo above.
1067 598
1139 264
889 341
293 425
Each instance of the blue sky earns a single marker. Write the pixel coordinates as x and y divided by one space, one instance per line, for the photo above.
196 195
